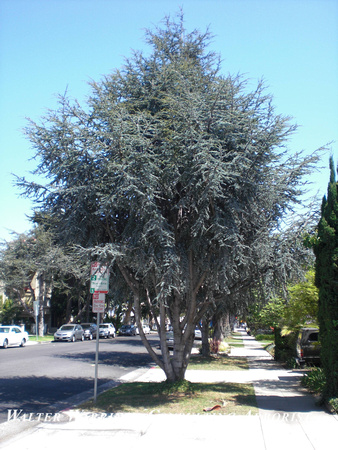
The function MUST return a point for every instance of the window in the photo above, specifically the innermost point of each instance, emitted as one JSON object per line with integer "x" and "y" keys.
{"x": 313, "y": 337}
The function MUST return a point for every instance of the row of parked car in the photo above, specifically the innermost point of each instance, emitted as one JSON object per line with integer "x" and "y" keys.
{"x": 73, "y": 332}
{"x": 12, "y": 335}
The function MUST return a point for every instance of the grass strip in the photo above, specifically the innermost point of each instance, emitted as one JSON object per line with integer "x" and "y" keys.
{"x": 176, "y": 398}
{"x": 235, "y": 341}
{"x": 265, "y": 339}
{"x": 46, "y": 338}
{"x": 219, "y": 362}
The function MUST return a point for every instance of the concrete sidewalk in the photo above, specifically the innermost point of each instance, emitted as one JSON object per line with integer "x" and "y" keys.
{"x": 288, "y": 417}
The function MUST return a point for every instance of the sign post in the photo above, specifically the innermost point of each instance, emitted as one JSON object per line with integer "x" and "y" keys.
{"x": 98, "y": 308}
{"x": 36, "y": 313}
{"x": 99, "y": 287}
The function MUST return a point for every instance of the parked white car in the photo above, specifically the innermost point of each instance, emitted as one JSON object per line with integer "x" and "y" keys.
{"x": 146, "y": 329}
{"x": 12, "y": 335}
{"x": 198, "y": 333}
{"x": 170, "y": 339}
{"x": 107, "y": 330}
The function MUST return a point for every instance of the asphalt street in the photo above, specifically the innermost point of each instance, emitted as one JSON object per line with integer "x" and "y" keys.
{"x": 45, "y": 377}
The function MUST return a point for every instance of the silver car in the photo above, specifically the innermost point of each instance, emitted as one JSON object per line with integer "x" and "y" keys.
{"x": 69, "y": 332}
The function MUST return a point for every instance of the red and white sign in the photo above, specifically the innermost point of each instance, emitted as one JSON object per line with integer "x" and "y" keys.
{"x": 99, "y": 300}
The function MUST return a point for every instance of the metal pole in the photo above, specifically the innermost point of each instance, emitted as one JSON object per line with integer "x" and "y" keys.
{"x": 36, "y": 306}
{"x": 36, "y": 324}
{"x": 96, "y": 356}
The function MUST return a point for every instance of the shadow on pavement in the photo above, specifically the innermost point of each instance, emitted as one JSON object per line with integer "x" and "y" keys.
{"x": 263, "y": 363}
{"x": 112, "y": 358}
{"x": 39, "y": 394}
{"x": 285, "y": 395}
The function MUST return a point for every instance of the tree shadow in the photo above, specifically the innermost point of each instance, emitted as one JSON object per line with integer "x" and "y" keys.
{"x": 42, "y": 394}
{"x": 266, "y": 364}
{"x": 113, "y": 358}
{"x": 285, "y": 395}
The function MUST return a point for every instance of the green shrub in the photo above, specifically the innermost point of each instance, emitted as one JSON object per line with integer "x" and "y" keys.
{"x": 291, "y": 363}
{"x": 333, "y": 402}
{"x": 285, "y": 346}
{"x": 224, "y": 347}
{"x": 264, "y": 337}
{"x": 315, "y": 380}
{"x": 217, "y": 346}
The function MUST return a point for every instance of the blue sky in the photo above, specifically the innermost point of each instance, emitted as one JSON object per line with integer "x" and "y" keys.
{"x": 49, "y": 46}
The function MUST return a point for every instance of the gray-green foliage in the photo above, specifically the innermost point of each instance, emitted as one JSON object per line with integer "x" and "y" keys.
{"x": 32, "y": 264}
{"x": 16, "y": 265}
{"x": 23, "y": 262}
{"x": 175, "y": 174}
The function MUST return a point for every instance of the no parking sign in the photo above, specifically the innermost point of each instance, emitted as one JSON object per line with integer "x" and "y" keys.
{"x": 98, "y": 302}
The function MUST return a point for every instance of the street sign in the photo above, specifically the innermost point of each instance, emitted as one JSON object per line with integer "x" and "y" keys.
{"x": 98, "y": 302}
{"x": 99, "y": 278}
{"x": 36, "y": 308}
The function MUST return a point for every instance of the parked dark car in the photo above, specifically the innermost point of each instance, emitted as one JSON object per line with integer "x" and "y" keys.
{"x": 128, "y": 330}
{"x": 90, "y": 330}
{"x": 308, "y": 346}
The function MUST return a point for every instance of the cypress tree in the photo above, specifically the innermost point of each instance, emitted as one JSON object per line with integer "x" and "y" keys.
{"x": 326, "y": 251}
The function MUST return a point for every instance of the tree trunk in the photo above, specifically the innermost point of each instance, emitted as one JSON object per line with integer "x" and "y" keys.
{"x": 68, "y": 308}
{"x": 222, "y": 327}
{"x": 88, "y": 299}
{"x": 184, "y": 332}
{"x": 218, "y": 334}
{"x": 79, "y": 307}
{"x": 278, "y": 344}
{"x": 173, "y": 366}
{"x": 227, "y": 326}
{"x": 127, "y": 316}
{"x": 137, "y": 307}
{"x": 41, "y": 299}
{"x": 205, "y": 337}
